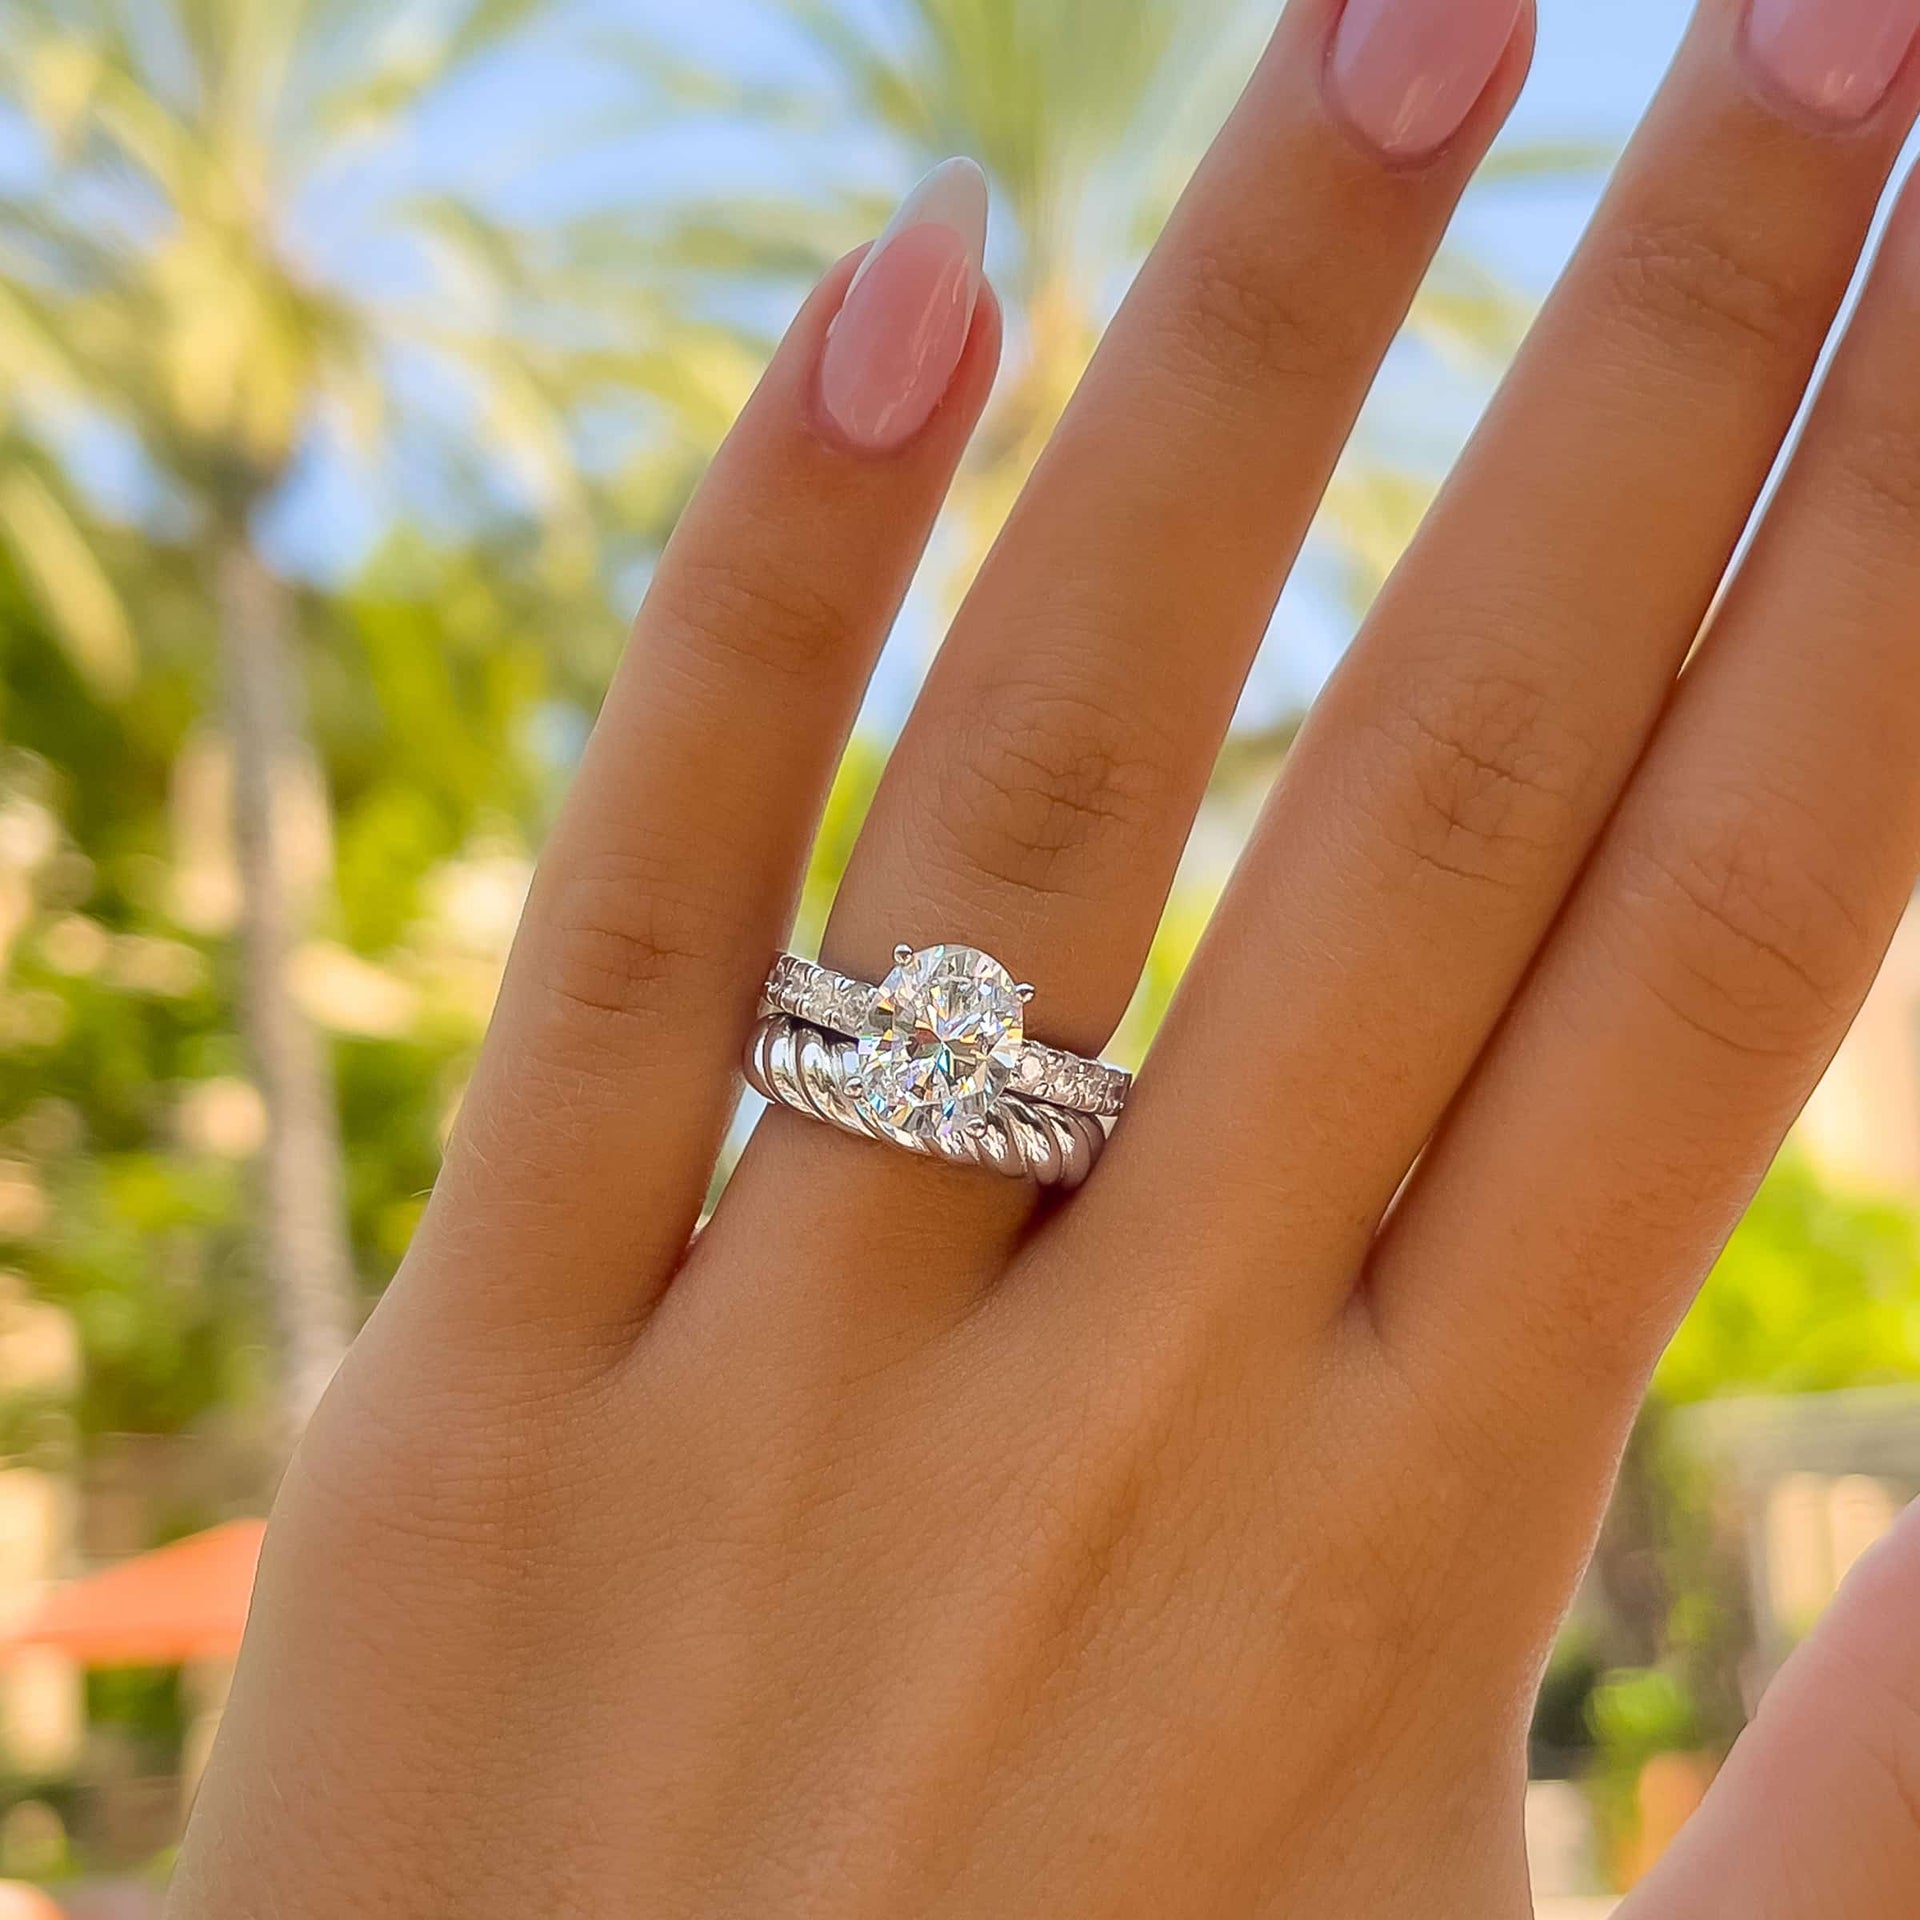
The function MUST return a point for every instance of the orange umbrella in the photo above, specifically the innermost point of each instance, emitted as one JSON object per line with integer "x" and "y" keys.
{"x": 18, "y": 1901}
{"x": 183, "y": 1602}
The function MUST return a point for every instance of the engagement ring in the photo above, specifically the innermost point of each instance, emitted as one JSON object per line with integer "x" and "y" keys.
{"x": 936, "y": 1060}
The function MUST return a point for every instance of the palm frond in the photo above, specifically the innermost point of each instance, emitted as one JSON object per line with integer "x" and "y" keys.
{"x": 56, "y": 557}
{"x": 411, "y": 57}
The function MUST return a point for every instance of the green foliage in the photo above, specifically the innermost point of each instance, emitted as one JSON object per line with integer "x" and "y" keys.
{"x": 158, "y": 289}
{"x": 1562, "y": 1726}
{"x": 1817, "y": 1290}
{"x": 853, "y": 789}
{"x": 118, "y": 1054}
{"x": 143, "y": 1707}
{"x": 103, "y": 1008}
{"x": 1637, "y": 1712}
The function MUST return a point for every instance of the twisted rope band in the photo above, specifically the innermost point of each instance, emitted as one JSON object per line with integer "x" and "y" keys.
{"x": 808, "y": 1070}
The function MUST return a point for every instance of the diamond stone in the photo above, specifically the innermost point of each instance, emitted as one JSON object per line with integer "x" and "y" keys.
{"x": 939, "y": 1044}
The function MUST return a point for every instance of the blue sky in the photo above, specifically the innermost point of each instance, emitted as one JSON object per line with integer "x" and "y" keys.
{"x": 1598, "y": 63}
{"x": 497, "y": 136}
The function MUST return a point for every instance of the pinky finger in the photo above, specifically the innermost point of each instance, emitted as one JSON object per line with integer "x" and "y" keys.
{"x": 1817, "y": 1814}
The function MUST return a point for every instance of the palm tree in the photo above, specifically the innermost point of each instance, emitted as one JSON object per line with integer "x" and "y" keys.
{"x": 154, "y": 286}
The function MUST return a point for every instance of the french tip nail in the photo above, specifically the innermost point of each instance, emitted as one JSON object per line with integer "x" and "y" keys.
{"x": 953, "y": 194}
{"x": 904, "y": 321}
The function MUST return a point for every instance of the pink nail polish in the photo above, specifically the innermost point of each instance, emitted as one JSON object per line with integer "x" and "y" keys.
{"x": 1406, "y": 73}
{"x": 904, "y": 322}
{"x": 1836, "y": 58}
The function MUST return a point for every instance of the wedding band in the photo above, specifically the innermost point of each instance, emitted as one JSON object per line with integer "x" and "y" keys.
{"x": 817, "y": 1074}
{"x": 934, "y": 1059}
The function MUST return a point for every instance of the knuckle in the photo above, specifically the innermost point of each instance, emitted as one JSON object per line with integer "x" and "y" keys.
{"x": 1048, "y": 790}
{"x": 1702, "y": 294}
{"x": 1747, "y": 939}
{"x": 1875, "y": 475}
{"x": 730, "y": 614}
{"x": 1241, "y": 322}
{"x": 1484, "y": 776}
{"x": 622, "y": 942}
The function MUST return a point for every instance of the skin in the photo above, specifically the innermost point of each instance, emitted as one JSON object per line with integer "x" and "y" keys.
{"x": 1192, "y": 1548}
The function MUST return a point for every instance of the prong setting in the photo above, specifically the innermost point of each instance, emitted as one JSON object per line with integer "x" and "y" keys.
{"x": 940, "y": 1043}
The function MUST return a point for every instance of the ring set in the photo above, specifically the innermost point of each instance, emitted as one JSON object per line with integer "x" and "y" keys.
{"x": 935, "y": 1059}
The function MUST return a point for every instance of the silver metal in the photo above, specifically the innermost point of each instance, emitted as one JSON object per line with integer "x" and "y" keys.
{"x": 811, "y": 1071}
{"x": 839, "y": 1004}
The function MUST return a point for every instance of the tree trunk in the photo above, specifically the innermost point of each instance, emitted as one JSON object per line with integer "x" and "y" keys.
{"x": 304, "y": 1249}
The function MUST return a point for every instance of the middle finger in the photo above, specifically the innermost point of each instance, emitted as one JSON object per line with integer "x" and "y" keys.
{"x": 1040, "y": 797}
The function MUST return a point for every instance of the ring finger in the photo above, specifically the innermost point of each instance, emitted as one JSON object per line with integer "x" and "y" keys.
{"x": 588, "y": 1135}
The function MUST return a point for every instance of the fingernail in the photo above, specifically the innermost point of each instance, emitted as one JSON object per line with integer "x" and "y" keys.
{"x": 1406, "y": 73}
{"x": 903, "y": 325}
{"x": 1836, "y": 58}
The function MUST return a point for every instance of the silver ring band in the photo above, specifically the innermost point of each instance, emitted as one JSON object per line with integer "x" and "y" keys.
{"x": 934, "y": 1059}
{"x": 808, "y": 1071}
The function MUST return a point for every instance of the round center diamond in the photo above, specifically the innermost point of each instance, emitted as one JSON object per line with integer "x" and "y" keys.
{"x": 940, "y": 1044}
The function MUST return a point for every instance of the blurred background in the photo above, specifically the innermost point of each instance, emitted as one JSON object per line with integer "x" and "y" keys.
{"x": 355, "y": 359}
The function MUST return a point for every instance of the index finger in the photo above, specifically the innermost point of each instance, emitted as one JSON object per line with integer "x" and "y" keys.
{"x": 589, "y": 1134}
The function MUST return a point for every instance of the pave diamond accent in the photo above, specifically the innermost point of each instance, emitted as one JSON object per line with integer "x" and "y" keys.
{"x": 1066, "y": 1080}
{"x": 939, "y": 1044}
{"x": 820, "y": 998}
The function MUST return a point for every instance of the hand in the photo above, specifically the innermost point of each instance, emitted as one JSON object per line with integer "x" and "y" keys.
{"x": 1189, "y": 1546}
